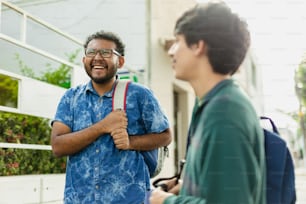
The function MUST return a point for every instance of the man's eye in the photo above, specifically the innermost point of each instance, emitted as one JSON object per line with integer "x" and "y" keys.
{"x": 107, "y": 52}
{"x": 91, "y": 52}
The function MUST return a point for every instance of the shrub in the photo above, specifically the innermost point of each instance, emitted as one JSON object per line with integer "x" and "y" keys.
{"x": 24, "y": 129}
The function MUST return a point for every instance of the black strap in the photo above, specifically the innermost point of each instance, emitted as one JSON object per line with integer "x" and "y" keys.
{"x": 163, "y": 186}
{"x": 274, "y": 128}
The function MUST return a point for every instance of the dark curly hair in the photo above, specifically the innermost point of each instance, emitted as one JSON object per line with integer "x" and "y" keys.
{"x": 107, "y": 36}
{"x": 225, "y": 34}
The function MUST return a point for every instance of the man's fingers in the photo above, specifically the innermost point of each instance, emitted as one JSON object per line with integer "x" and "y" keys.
{"x": 121, "y": 144}
{"x": 121, "y": 140}
{"x": 123, "y": 119}
{"x": 119, "y": 133}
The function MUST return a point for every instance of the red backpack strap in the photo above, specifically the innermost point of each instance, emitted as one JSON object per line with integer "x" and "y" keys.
{"x": 119, "y": 94}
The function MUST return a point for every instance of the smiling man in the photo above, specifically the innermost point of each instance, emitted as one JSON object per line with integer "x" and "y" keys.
{"x": 105, "y": 164}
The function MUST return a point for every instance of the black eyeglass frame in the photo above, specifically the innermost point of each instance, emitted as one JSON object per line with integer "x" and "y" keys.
{"x": 102, "y": 52}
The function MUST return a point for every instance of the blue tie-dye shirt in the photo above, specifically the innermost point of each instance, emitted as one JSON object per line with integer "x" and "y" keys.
{"x": 101, "y": 173}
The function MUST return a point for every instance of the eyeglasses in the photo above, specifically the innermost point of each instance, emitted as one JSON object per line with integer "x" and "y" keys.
{"x": 105, "y": 53}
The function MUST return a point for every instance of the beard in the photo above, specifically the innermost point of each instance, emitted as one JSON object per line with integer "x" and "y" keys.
{"x": 103, "y": 80}
{"x": 110, "y": 73}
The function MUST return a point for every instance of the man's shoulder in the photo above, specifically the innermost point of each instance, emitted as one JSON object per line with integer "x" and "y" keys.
{"x": 76, "y": 89}
{"x": 73, "y": 94}
{"x": 229, "y": 103}
{"x": 137, "y": 88}
{"x": 136, "y": 85}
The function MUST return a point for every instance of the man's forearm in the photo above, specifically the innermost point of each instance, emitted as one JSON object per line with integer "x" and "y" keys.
{"x": 150, "y": 141}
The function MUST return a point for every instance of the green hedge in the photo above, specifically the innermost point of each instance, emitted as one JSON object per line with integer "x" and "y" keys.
{"x": 25, "y": 129}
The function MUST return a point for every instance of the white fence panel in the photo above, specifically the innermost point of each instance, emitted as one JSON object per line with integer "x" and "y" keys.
{"x": 39, "y": 98}
{"x": 32, "y": 189}
{"x": 19, "y": 190}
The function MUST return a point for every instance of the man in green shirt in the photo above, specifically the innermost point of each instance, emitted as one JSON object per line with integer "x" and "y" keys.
{"x": 225, "y": 161}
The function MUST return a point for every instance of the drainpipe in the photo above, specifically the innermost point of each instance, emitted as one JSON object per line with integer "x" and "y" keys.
{"x": 148, "y": 39}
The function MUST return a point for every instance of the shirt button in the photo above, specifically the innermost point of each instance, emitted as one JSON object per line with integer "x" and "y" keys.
{"x": 97, "y": 187}
{"x": 97, "y": 150}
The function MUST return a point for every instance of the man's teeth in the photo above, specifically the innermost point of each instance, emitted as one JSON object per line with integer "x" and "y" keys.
{"x": 98, "y": 67}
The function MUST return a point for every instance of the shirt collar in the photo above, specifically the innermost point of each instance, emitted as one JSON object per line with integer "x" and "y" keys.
{"x": 89, "y": 88}
{"x": 213, "y": 91}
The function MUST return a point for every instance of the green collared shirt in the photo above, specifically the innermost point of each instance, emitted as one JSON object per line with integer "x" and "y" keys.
{"x": 225, "y": 159}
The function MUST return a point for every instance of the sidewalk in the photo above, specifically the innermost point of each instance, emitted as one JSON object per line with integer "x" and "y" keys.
{"x": 300, "y": 184}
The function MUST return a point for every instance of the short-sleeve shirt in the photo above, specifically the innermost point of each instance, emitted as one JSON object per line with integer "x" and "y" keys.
{"x": 100, "y": 173}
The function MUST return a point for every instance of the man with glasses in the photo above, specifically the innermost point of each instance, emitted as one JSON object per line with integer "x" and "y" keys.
{"x": 103, "y": 146}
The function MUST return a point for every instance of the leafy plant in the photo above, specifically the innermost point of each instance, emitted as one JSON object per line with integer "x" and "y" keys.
{"x": 8, "y": 91}
{"x": 25, "y": 129}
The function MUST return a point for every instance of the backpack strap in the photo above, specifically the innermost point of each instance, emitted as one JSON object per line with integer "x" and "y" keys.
{"x": 274, "y": 128}
{"x": 119, "y": 94}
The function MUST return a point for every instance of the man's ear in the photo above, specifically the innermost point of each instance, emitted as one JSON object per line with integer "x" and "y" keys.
{"x": 200, "y": 47}
{"x": 120, "y": 61}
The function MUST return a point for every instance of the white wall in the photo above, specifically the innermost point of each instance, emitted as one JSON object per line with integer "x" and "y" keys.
{"x": 32, "y": 189}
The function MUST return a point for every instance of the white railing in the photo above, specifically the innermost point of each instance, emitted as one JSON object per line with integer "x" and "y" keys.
{"x": 35, "y": 97}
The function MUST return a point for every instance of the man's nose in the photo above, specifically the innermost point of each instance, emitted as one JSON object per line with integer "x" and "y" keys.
{"x": 172, "y": 49}
{"x": 98, "y": 56}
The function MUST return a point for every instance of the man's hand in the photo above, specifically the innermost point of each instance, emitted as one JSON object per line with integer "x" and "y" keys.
{"x": 121, "y": 138}
{"x": 158, "y": 196}
{"x": 115, "y": 120}
{"x": 171, "y": 185}
{"x": 174, "y": 186}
